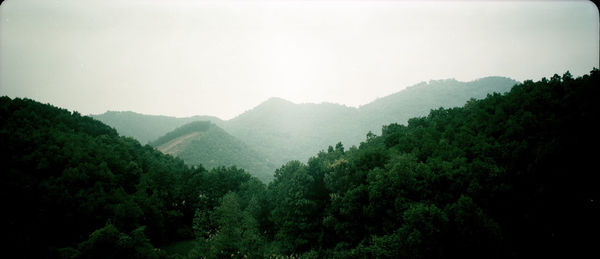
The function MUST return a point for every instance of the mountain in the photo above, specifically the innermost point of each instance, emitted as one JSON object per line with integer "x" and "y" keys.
{"x": 204, "y": 143}
{"x": 508, "y": 176}
{"x": 65, "y": 176}
{"x": 286, "y": 131}
{"x": 146, "y": 128}
{"x": 282, "y": 131}
{"x": 418, "y": 100}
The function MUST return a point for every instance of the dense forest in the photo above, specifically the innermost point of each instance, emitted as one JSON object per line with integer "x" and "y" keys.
{"x": 508, "y": 176}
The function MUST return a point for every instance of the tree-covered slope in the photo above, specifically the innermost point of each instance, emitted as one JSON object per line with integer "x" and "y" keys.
{"x": 72, "y": 187}
{"x": 282, "y": 131}
{"x": 510, "y": 176}
{"x": 419, "y": 99}
{"x": 285, "y": 131}
{"x": 146, "y": 128}
{"x": 204, "y": 143}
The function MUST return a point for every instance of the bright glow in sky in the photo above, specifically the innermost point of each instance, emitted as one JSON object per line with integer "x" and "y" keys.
{"x": 185, "y": 57}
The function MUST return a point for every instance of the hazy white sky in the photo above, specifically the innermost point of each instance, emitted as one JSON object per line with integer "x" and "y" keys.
{"x": 190, "y": 57}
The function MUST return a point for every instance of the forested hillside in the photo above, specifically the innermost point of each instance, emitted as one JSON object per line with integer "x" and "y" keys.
{"x": 509, "y": 176}
{"x": 146, "y": 128}
{"x": 505, "y": 177}
{"x": 72, "y": 188}
{"x": 286, "y": 131}
{"x": 281, "y": 130}
{"x": 204, "y": 143}
{"x": 418, "y": 100}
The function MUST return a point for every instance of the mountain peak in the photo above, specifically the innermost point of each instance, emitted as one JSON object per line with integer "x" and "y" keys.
{"x": 277, "y": 100}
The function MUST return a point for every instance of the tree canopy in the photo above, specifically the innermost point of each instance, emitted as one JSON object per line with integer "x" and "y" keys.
{"x": 508, "y": 176}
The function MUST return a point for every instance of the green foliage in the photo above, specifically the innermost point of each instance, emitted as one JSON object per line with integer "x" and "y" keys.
{"x": 293, "y": 209}
{"x": 499, "y": 177}
{"x": 180, "y": 248}
{"x": 67, "y": 176}
{"x": 109, "y": 242}
{"x": 504, "y": 177}
{"x": 236, "y": 233}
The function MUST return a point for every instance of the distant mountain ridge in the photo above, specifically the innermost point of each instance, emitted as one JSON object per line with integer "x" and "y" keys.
{"x": 419, "y": 99}
{"x": 281, "y": 130}
{"x": 146, "y": 128}
{"x": 286, "y": 131}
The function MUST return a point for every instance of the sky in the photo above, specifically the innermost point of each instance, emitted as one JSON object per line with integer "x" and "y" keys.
{"x": 191, "y": 57}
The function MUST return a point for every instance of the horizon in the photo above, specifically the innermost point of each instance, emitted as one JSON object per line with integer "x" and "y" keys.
{"x": 301, "y": 103}
{"x": 205, "y": 58}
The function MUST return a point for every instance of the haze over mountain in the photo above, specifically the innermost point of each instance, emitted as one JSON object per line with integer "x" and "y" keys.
{"x": 507, "y": 176}
{"x": 204, "y": 143}
{"x": 419, "y": 99}
{"x": 321, "y": 134}
{"x": 183, "y": 58}
{"x": 283, "y": 131}
{"x": 146, "y": 128}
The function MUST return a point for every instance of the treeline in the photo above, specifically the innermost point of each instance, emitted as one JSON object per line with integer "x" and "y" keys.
{"x": 509, "y": 176}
